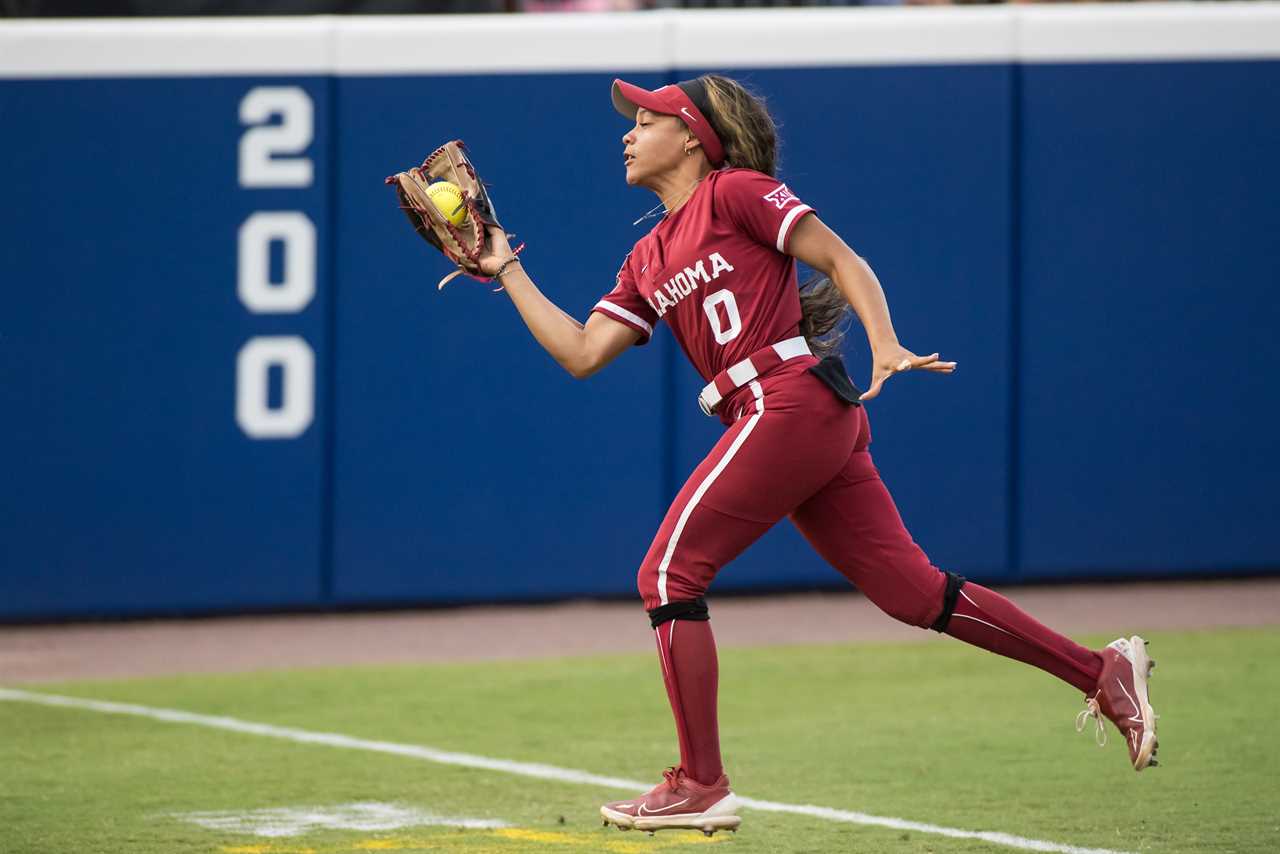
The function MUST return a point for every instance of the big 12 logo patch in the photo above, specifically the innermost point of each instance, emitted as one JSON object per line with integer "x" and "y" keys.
{"x": 780, "y": 196}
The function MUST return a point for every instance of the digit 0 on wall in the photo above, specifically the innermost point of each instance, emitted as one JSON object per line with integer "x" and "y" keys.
{"x": 162, "y": 332}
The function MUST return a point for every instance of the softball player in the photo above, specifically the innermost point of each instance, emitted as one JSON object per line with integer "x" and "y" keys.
{"x": 719, "y": 267}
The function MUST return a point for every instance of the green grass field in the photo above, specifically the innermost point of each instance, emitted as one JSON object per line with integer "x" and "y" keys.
{"x": 934, "y": 732}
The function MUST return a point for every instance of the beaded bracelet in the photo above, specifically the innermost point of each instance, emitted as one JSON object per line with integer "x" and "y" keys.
{"x": 507, "y": 263}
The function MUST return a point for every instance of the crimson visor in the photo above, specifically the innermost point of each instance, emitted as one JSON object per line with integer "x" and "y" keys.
{"x": 688, "y": 100}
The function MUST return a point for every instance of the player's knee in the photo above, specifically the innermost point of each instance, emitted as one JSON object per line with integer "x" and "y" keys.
{"x": 687, "y": 609}
{"x": 916, "y": 612}
{"x": 647, "y": 586}
{"x": 924, "y": 608}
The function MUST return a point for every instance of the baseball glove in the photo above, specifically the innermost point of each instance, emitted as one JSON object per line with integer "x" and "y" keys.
{"x": 465, "y": 242}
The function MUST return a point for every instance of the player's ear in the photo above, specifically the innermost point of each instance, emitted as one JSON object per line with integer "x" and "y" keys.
{"x": 691, "y": 145}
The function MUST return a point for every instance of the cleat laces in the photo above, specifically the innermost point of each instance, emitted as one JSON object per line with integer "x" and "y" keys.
{"x": 1091, "y": 710}
{"x": 672, "y": 776}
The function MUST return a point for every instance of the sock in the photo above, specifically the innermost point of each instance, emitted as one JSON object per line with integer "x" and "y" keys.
{"x": 985, "y": 618}
{"x": 691, "y": 672}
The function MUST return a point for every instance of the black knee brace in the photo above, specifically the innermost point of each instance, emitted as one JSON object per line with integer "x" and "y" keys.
{"x": 695, "y": 610}
{"x": 949, "y": 596}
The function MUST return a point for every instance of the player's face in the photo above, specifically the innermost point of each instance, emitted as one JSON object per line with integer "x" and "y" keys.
{"x": 653, "y": 147}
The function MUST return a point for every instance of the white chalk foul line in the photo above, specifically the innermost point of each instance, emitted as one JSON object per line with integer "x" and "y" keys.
{"x": 523, "y": 769}
{"x": 278, "y": 822}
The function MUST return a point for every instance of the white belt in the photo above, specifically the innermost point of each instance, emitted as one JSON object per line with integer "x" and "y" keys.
{"x": 736, "y": 376}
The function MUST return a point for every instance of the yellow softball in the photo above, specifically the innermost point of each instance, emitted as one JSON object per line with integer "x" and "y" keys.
{"x": 448, "y": 200}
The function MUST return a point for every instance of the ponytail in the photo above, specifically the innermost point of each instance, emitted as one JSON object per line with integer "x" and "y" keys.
{"x": 742, "y": 122}
{"x": 825, "y": 316}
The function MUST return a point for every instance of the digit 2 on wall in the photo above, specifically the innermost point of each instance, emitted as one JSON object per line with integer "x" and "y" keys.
{"x": 272, "y": 156}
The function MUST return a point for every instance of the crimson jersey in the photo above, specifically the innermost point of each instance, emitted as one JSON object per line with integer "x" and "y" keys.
{"x": 717, "y": 271}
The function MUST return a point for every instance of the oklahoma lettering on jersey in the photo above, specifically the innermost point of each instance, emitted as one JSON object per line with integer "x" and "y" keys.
{"x": 685, "y": 282}
{"x": 717, "y": 271}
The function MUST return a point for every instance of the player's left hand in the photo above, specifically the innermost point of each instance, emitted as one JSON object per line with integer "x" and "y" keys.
{"x": 497, "y": 250}
{"x": 463, "y": 241}
{"x": 898, "y": 359}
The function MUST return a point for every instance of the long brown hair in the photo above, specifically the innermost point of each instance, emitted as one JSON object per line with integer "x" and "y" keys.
{"x": 741, "y": 119}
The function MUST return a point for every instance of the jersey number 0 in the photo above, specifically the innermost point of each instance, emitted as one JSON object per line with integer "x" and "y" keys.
{"x": 728, "y": 329}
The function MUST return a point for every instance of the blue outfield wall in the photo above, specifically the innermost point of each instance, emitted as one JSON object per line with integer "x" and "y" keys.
{"x": 467, "y": 464}
{"x": 130, "y": 488}
{"x": 1149, "y": 267}
{"x": 234, "y": 386}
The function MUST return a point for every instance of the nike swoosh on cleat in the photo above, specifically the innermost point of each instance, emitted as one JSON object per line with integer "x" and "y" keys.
{"x": 1136, "y": 708}
{"x": 643, "y": 811}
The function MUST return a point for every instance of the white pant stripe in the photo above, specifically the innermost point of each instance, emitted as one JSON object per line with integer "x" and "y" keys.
{"x": 704, "y": 486}
{"x": 662, "y": 656}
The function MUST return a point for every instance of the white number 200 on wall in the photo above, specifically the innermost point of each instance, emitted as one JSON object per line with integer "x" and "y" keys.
{"x": 279, "y": 126}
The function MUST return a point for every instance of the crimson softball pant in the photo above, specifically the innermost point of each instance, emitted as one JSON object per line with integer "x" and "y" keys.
{"x": 792, "y": 449}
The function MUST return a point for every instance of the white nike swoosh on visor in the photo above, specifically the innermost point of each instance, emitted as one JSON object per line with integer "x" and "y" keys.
{"x": 685, "y": 110}
{"x": 643, "y": 811}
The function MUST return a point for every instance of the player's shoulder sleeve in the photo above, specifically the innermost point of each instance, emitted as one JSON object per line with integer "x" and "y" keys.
{"x": 625, "y": 304}
{"x": 759, "y": 205}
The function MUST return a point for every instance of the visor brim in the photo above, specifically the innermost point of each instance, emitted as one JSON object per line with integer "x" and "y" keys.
{"x": 628, "y": 98}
